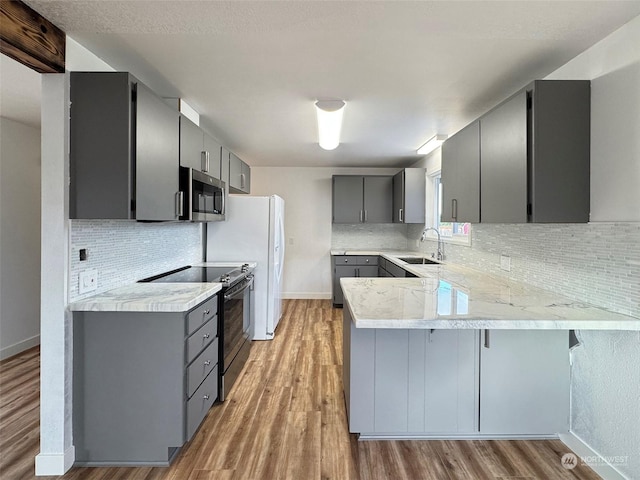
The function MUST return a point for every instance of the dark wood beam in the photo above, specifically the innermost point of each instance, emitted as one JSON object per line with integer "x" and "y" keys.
{"x": 29, "y": 38}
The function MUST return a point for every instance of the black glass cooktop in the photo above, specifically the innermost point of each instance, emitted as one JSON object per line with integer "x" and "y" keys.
{"x": 197, "y": 275}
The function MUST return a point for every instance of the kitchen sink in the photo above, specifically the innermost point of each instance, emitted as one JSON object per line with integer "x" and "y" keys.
{"x": 419, "y": 261}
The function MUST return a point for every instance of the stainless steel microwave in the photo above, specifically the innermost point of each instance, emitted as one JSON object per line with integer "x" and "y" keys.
{"x": 202, "y": 197}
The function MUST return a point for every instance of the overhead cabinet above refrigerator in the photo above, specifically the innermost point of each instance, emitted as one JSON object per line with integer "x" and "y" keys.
{"x": 124, "y": 150}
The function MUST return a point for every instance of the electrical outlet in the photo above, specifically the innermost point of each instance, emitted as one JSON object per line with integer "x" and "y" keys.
{"x": 505, "y": 263}
{"x": 87, "y": 281}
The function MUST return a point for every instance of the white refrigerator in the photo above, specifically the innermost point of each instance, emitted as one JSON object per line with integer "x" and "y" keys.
{"x": 254, "y": 232}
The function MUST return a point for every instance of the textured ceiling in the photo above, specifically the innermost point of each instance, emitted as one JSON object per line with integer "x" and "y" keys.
{"x": 407, "y": 70}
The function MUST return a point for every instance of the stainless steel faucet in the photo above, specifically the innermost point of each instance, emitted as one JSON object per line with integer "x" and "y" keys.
{"x": 423, "y": 237}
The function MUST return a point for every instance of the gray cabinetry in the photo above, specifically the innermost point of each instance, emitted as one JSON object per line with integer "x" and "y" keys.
{"x": 142, "y": 383}
{"x": 410, "y": 382}
{"x": 239, "y": 175}
{"x": 124, "y": 149}
{"x": 524, "y": 382}
{"x": 362, "y": 199}
{"x": 461, "y": 176}
{"x": 198, "y": 150}
{"x": 409, "y": 190}
{"x": 389, "y": 269}
{"x": 351, "y": 266}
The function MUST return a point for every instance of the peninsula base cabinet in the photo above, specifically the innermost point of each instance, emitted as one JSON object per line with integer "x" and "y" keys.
{"x": 414, "y": 383}
{"x": 143, "y": 383}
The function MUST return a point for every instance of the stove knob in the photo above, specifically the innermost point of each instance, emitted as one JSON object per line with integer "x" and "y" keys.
{"x": 244, "y": 268}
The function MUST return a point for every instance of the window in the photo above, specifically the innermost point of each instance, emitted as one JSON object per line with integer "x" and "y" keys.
{"x": 449, "y": 231}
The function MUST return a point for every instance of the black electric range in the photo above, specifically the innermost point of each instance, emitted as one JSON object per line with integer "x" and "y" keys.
{"x": 234, "y": 314}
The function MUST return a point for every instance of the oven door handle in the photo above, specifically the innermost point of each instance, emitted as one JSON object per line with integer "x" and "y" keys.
{"x": 239, "y": 291}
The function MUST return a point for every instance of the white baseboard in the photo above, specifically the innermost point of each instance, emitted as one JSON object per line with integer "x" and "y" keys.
{"x": 55, "y": 463}
{"x": 19, "y": 347}
{"x": 587, "y": 455}
{"x": 306, "y": 296}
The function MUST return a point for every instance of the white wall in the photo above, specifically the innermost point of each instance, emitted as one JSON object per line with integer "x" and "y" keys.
{"x": 19, "y": 237}
{"x": 605, "y": 403}
{"x": 307, "y": 196}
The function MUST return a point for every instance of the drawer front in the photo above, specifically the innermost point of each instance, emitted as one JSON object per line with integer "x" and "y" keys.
{"x": 395, "y": 270}
{"x": 368, "y": 260}
{"x": 201, "y": 338}
{"x": 201, "y": 402}
{"x": 345, "y": 260}
{"x": 201, "y": 367}
{"x": 201, "y": 314}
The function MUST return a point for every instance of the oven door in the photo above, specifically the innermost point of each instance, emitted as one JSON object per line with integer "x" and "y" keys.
{"x": 235, "y": 328}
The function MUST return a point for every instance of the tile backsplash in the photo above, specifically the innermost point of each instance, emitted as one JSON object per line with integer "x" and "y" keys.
{"x": 125, "y": 251}
{"x": 364, "y": 236}
{"x": 598, "y": 263}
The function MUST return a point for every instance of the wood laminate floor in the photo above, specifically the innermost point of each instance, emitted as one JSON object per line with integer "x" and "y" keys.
{"x": 284, "y": 419}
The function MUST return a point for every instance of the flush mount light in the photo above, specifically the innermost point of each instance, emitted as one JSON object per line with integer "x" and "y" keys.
{"x": 329, "y": 122}
{"x": 432, "y": 144}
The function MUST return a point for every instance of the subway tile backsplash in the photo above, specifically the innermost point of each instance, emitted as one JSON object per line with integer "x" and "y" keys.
{"x": 598, "y": 263}
{"x": 125, "y": 251}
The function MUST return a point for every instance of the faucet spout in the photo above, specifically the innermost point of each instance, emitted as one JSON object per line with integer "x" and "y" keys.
{"x": 423, "y": 237}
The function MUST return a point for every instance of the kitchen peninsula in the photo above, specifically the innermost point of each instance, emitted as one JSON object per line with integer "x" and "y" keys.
{"x": 458, "y": 353}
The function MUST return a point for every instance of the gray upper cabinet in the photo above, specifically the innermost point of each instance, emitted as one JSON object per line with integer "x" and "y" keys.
{"x": 461, "y": 176}
{"x": 362, "y": 199}
{"x": 239, "y": 175}
{"x": 198, "y": 150}
{"x": 535, "y": 155}
{"x": 124, "y": 149}
{"x": 409, "y": 190}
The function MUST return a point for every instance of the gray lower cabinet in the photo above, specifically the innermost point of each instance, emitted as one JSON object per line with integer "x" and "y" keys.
{"x": 362, "y": 199}
{"x": 461, "y": 176}
{"x": 390, "y": 269}
{"x": 431, "y": 383}
{"x": 409, "y": 190}
{"x": 351, "y": 266}
{"x": 524, "y": 381}
{"x": 124, "y": 148}
{"x": 142, "y": 383}
{"x": 404, "y": 382}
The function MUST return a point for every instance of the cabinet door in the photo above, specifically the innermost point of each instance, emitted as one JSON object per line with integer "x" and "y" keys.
{"x": 524, "y": 382}
{"x": 461, "y": 176}
{"x": 213, "y": 148}
{"x": 378, "y": 199}
{"x": 245, "y": 178}
{"x": 415, "y": 184}
{"x": 347, "y": 199}
{"x": 235, "y": 172}
{"x": 191, "y": 144}
{"x": 398, "y": 197}
{"x": 367, "y": 271}
{"x": 340, "y": 271}
{"x": 225, "y": 158}
{"x": 503, "y": 142}
{"x": 157, "y": 157}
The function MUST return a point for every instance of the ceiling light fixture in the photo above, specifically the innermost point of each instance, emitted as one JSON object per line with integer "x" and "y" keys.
{"x": 432, "y": 144}
{"x": 330, "y": 114}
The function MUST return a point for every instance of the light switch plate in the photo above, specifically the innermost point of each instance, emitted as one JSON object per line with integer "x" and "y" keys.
{"x": 88, "y": 281}
{"x": 505, "y": 263}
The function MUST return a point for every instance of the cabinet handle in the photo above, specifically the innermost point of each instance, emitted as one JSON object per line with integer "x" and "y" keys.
{"x": 346, "y": 260}
{"x": 204, "y": 156}
{"x": 207, "y": 363}
{"x": 242, "y": 180}
{"x": 360, "y": 216}
{"x": 206, "y": 312}
{"x": 486, "y": 339}
{"x": 179, "y": 204}
{"x": 454, "y": 209}
{"x": 205, "y": 336}
{"x": 205, "y": 397}
{"x": 365, "y": 216}
{"x": 401, "y": 215}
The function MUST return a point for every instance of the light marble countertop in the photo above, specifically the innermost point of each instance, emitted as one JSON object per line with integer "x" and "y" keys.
{"x": 449, "y": 296}
{"x": 154, "y": 297}
{"x": 148, "y": 297}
